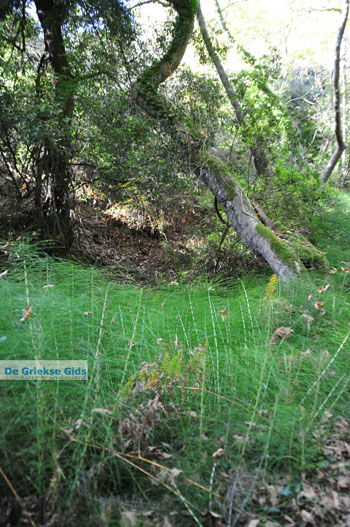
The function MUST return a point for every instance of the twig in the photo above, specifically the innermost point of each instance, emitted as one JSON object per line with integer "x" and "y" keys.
{"x": 14, "y": 492}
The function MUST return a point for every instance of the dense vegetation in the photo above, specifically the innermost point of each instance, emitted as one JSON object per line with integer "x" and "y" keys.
{"x": 165, "y": 216}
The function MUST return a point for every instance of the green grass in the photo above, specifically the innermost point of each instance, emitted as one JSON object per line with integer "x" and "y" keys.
{"x": 213, "y": 382}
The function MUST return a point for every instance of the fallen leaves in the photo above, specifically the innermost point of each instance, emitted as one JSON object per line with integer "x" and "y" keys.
{"x": 253, "y": 523}
{"x": 26, "y": 314}
{"x": 158, "y": 453}
{"x": 323, "y": 289}
{"x": 219, "y": 453}
{"x": 309, "y": 319}
{"x": 318, "y": 306}
{"x": 280, "y": 334}
{"x": 223, "y": 313}
{"x": 321, "y": 496}
{"x": 48, "y": 286}
{"x": 102, "y": 411}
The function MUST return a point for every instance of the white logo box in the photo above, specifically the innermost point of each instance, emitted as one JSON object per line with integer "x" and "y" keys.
{"x": 22, "y": 370}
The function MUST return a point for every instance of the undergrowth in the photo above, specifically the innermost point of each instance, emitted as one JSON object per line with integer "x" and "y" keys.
{"x": 189, "y": 385}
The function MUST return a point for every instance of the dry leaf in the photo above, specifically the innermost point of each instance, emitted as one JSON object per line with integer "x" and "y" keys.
{"x": 323, "y": 288}
{"x": 273, "y": 494}
{"x": 101, "y": 411}
{"x": 343, "y": 482}
{"x": 253, "y": 523}
{"x": 306, "y": 352}
{"x": 326, "y": 416}
{"x": 166, "y": 522}
{"x": 333, "y": 270}
{"x": 78, "y": 423}
{"x": 48, "y": 286}
{"x": 4, "y": 273}
{"x": 309, "y": 319}
{"x": 308, "y": 492}
{"x": 87, "y": 313}
{"x": 281, "y": 333}
{"x": 158, "y": 453}
{"x": 307, "y": 517}
{"x": 147, "y": 514}
{"x": 129, "y": 519}
{"x": 223, "y": 313}
{"x": 26, "y": 313}
{"x": 318, "y": 305}
{"x": 220, "y": 452}
{"x": 175, "y": 472}
{"x": 163, "y": 455}
{"x": 321, "y": 312}
{"x": 345, "y": 269}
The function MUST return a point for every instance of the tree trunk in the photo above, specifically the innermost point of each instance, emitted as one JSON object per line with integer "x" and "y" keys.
{"x": 260, "y": 160}
{"x": 328, "y": 170}
{"x": 56, "y": 206}
{"x": 280, "y": 255}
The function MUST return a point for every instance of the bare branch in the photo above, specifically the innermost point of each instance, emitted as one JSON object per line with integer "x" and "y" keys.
{"x": 327, "y": 172}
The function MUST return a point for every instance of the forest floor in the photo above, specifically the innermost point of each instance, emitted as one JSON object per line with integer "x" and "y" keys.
{"x": 215, "y": 403}
{"x": 137, "y": 246}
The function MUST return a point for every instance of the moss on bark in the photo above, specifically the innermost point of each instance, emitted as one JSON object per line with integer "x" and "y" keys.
{"x": 223, "y": 175}
{"x": 281, "y": 248}
{"x": 308, "y": 254}
{"x": 295, "y": 251}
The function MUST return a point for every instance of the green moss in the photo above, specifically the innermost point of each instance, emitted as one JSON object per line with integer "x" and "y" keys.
{"x": 308, "y": 254}
{"x": 282, "y": 250}
{"x": 193, "y": 5}
{"x": 296, "y": 250}
{"x": 190, "y": 5}
{"x": 223, "y": 174}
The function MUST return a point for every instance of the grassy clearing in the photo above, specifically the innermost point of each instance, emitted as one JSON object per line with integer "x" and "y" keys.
{"x": 175, "y": 373}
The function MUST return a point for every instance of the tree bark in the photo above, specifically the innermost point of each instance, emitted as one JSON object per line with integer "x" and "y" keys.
{"x": 55, "y": 164}
{"x": 280, "y": 255}
{"x": 260, "y": 160}
{"x": 328, "y": 170}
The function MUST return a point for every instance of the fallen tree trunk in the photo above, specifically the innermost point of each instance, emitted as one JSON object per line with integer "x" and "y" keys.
{"x": 284, "y": 258}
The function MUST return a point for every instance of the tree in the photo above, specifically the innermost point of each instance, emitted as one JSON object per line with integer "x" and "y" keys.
{"x": 284, "y": 258}
{"x": 40, "y": 127}
{"x": 54, "y": 210}
{"x": 259, "y": 156}
{"x": 328, "y": 170}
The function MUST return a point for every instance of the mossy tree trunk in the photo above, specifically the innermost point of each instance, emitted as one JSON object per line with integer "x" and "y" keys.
{"x": 278, "y": 253}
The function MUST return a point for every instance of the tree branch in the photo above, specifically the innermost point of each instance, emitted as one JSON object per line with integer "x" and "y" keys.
{"x": 328, "y": 170}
